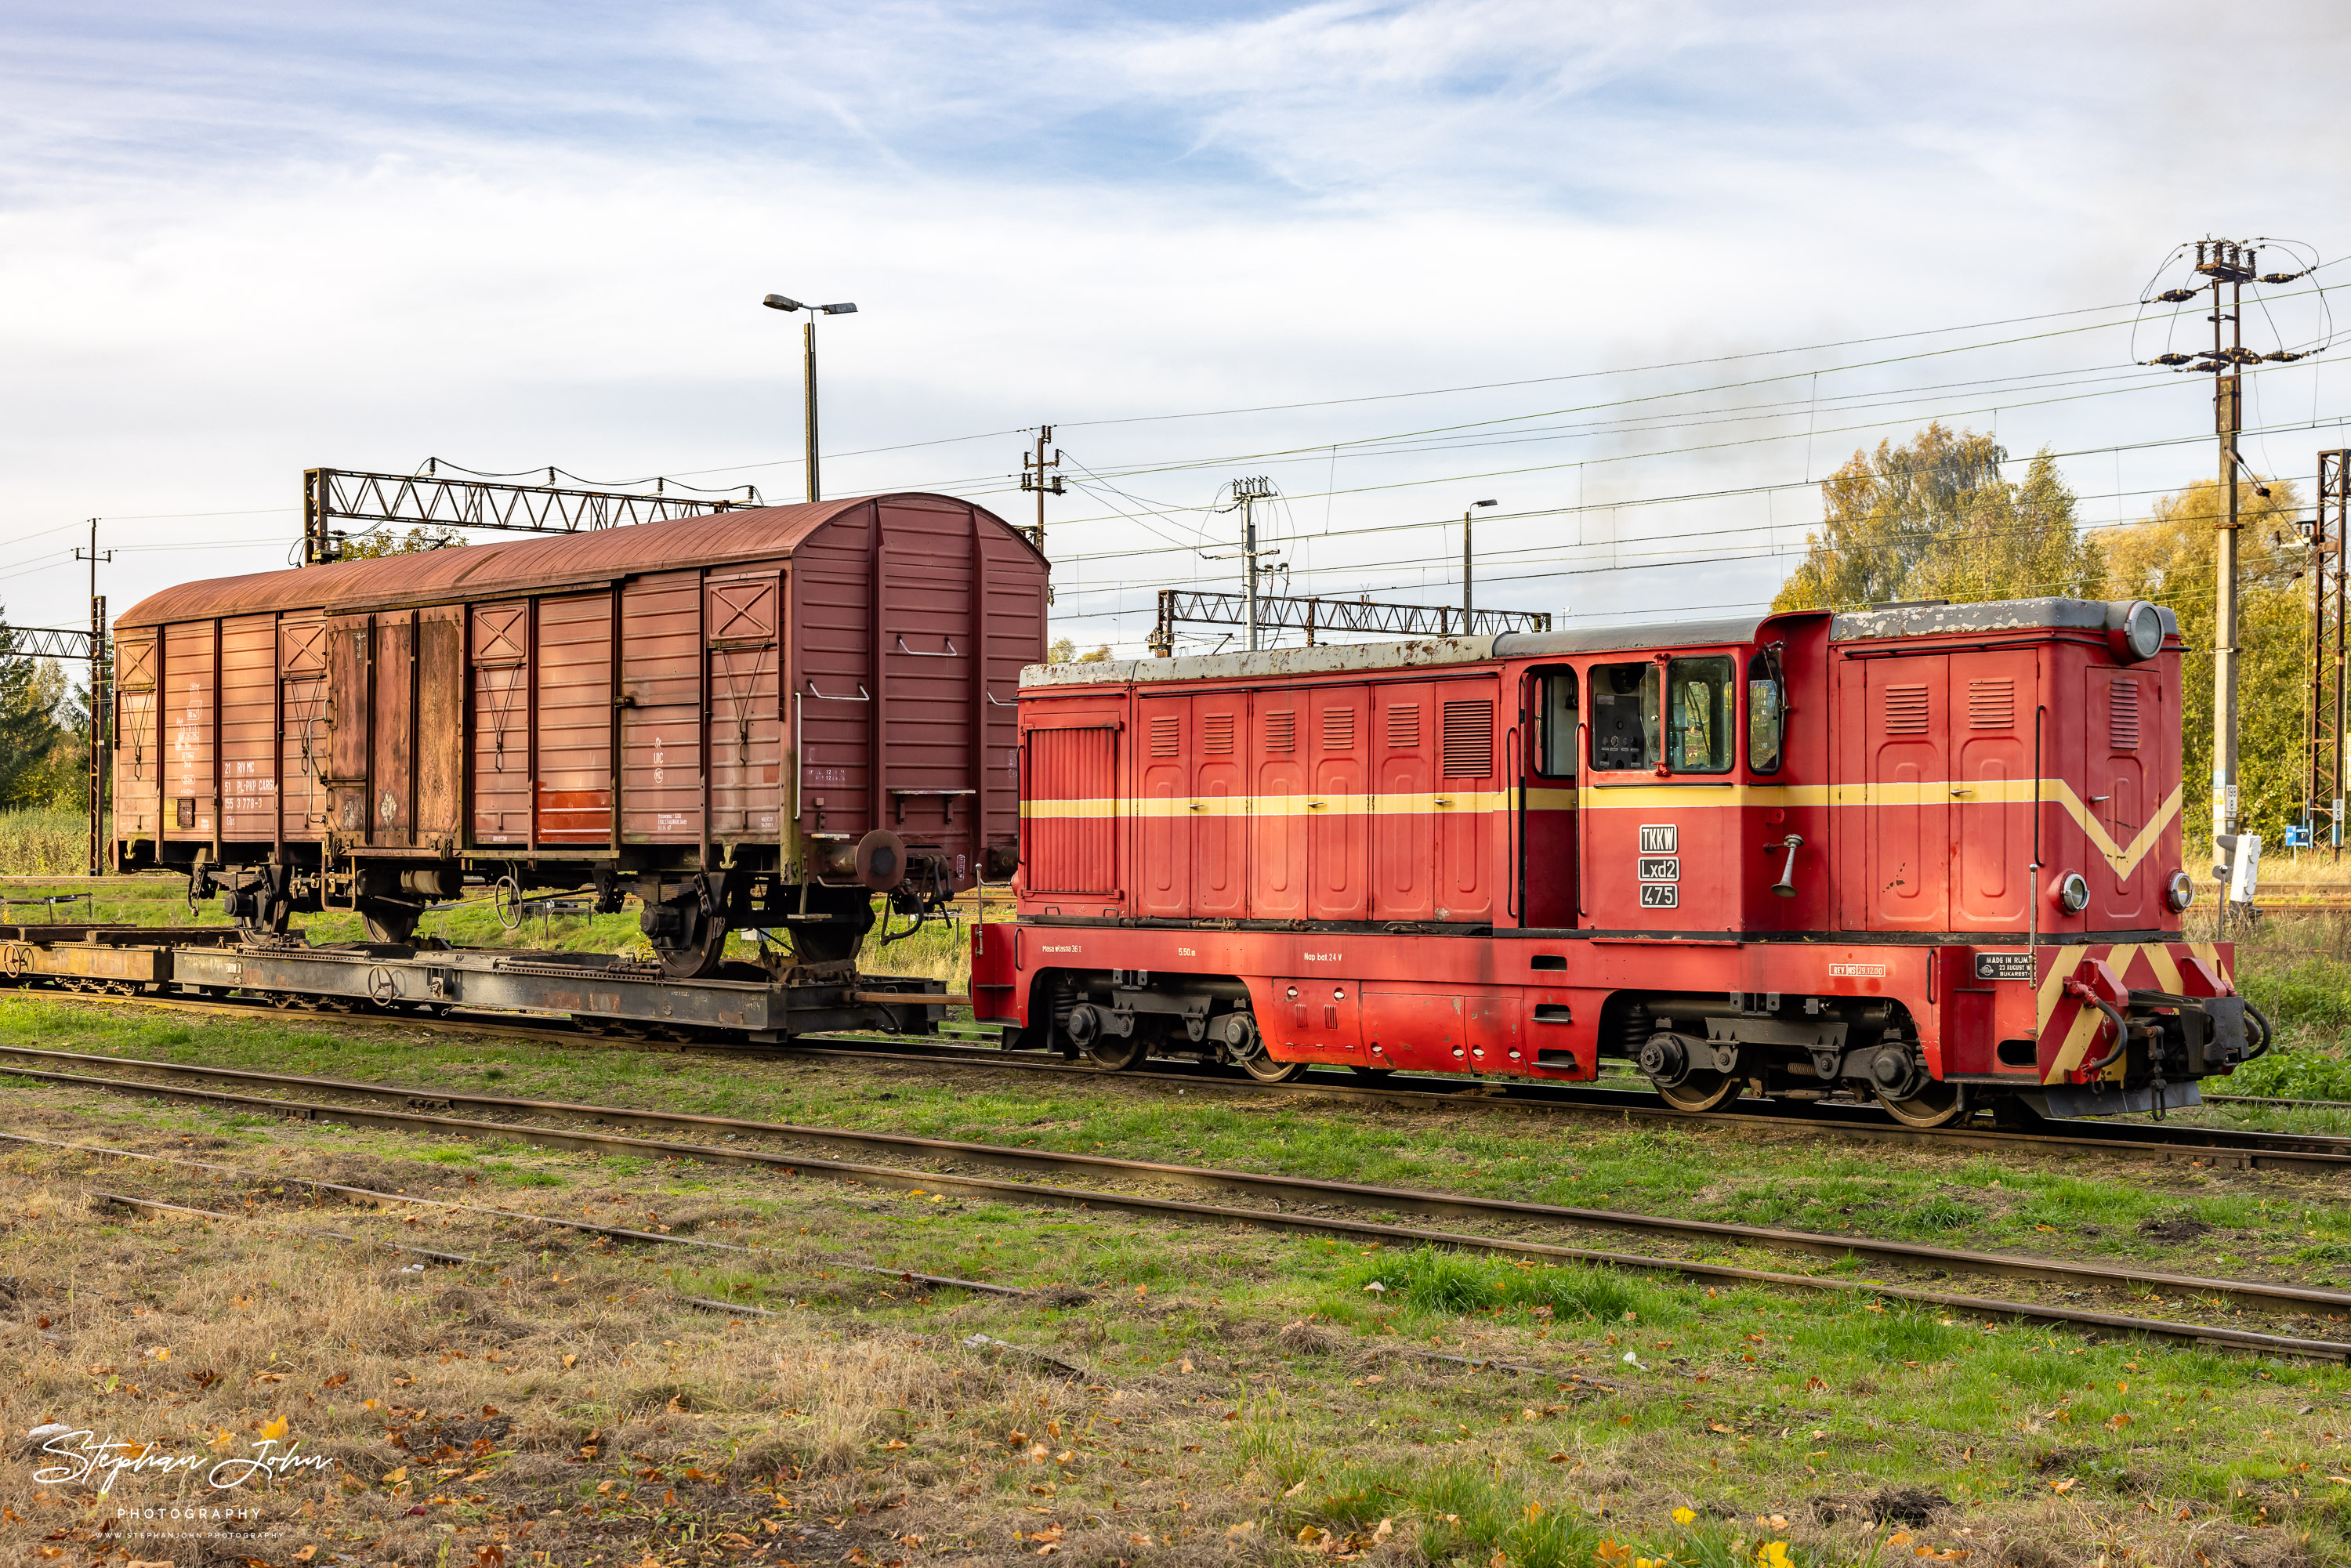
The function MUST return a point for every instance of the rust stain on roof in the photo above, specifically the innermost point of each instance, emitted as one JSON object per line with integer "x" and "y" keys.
{"x": 530, "y": 565}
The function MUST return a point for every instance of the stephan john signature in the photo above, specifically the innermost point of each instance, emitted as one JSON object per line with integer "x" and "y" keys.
{"x": 271, "y": 1461}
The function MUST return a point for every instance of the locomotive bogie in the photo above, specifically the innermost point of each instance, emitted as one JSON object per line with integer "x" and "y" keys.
{"x": 765, "y": 713}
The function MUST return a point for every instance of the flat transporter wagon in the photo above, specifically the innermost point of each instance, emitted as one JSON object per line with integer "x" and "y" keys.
{"x": 759, "y": 717}
{"x": 1928, "y": 856}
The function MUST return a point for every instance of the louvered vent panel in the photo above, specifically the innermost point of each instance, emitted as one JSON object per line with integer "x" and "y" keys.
{"x": 1166, "y": 734}
{"x": 1339, "y": 729}
{"x": 1469, "y": 740}
{"x": 1906, "y": 710}
{"x": 1216, "y": 733}
{"x": 2122, "y": 714}
{"x": 1991, "y": 705}
{"x": 1404, "y": 727}
{"x": 1281, "y": 733}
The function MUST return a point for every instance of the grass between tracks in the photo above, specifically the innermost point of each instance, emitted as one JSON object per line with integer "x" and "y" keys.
{"x": 1247, "y": 1396}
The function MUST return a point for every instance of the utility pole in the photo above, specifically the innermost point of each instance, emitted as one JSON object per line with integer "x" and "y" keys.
{"x": 1468, "y": 617}
{"x": 2322, "y": 778}
{"x": 2230, "y": 265}
{"x": 1035, "y": 476}
{"x": 97, "y": 704}
{"x": 1246, "y": 493}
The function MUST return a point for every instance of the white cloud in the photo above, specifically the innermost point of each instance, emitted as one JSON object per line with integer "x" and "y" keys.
{"x": 532, "y": 236}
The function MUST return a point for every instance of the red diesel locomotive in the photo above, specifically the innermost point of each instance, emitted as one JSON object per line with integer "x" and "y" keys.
{"x": 1927, "y": 855}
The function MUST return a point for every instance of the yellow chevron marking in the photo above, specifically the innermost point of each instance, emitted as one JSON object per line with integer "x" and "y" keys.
{"x": 2211, "y": 953}
{"x": 2076, "y": 1045}
{"x": 2052, "y": 986}
{"x": 2166, "y": 967}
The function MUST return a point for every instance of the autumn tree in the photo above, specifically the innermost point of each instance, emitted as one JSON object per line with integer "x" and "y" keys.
{"x": 2170, "y": 560}
{"x": 1938, "y": 518}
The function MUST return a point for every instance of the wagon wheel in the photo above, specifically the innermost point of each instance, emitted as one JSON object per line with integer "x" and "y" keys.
{"x": 1935, "y": 1105}
{"x": 1118, "y": 1052}
{"x": 698, "y": 958}
{"x": 387, "y": 921}
{"x": 1266, "y": 1070}
{"x": 1703, "y": 1092}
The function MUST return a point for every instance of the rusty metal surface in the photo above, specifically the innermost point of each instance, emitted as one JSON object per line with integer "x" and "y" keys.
{"x": 475, "y": 571}
{"x": 661, "y": 710}
{"x": 248, "y": 727}
{"x": 574, "y": 708}
{"x": 829, "y": 668}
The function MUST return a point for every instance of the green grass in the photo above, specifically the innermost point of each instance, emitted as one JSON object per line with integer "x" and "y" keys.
{"x": 1738, "y": 1403}
{"x": 44, "y": 841}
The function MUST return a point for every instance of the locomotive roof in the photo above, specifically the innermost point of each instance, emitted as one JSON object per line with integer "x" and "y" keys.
{"x": 1848, "y": 626}
{"x": 517, "y": 566}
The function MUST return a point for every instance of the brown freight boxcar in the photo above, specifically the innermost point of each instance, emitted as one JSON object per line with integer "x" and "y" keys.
{"x": 755, "y": 718}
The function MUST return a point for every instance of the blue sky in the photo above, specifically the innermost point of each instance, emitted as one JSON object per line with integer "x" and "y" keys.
{"x": 236, "y": 241}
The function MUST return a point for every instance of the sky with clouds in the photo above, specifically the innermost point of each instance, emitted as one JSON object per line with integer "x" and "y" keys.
{"x": 1641, "y": 274}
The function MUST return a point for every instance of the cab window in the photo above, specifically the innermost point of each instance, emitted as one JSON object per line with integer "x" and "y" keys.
{"x": 1555, "y": 715}
{"x": 1698, "y": 698}
{"x": 1624, "y": 716}
{"x": 1767, "y": 715}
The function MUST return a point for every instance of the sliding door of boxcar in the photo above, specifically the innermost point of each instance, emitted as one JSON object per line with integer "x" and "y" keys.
{"x": 138, "y": 754}
{"x": 249, "y": 728}
{"x": 392, "y": 792}
{"x": 660, "y": 710}
{"x": 302, "y": 731}
{"x": 747, "y": 731}
{"x": 501, "y": 750}
{"x": 440, "y": 800}
{"x": 350, "y": 645}
{"x": 575, "y": 719}
{"x": 189, "y": 688}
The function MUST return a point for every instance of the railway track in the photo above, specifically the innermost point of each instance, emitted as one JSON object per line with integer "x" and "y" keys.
{"x": 2170, "y": 1141}
{"x": 1284, "y": 1203}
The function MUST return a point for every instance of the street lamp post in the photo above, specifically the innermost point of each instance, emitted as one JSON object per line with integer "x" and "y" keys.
{"x": 808, "y": 350}
{"x": 1467, "y": 628}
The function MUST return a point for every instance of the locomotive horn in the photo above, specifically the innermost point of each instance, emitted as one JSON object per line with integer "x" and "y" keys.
{"x": 1786, "y": 886}
{"x": 881, "y": 859}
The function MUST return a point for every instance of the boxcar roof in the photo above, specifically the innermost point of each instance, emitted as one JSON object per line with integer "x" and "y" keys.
{"x": 1862, "y": 625}
{"x": 517, "y": 566}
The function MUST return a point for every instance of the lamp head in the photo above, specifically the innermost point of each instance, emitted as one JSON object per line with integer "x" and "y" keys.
{"x": 779, "y": 302}
{"x": 1483, "y": 503}
{"x": 837, "y": 309}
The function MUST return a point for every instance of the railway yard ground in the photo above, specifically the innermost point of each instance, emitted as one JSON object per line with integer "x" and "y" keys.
{"x": 1159, "y": 1389}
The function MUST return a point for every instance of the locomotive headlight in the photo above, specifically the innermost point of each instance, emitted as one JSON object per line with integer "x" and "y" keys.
{"x": 2180, "y": 890}
{"x": 2072, "y": 892}
{"x": 2137, "y": 635}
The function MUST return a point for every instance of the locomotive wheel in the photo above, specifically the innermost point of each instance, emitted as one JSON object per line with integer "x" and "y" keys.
{"x": 1703, "y": 1092}
{"x": 1935, "y": 1105}
{"x": 1118, "y": 1052}
{"x": 1266, "y": 1070}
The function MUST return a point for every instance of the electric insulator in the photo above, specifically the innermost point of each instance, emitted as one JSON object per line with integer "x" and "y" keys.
{"x": 2174, "y": 296}
{"x": 2280, "y": 276}
{"x": 2169, "y": 360}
